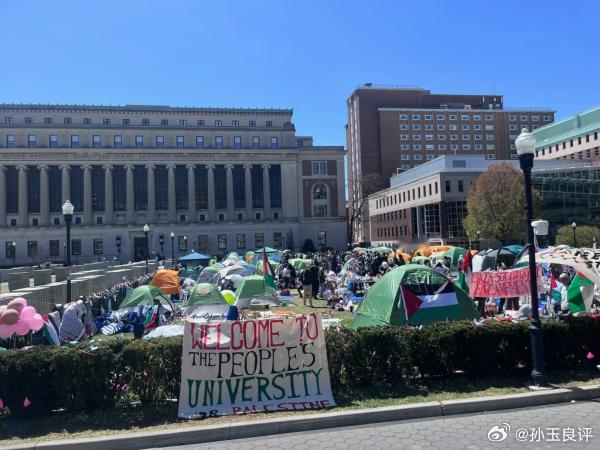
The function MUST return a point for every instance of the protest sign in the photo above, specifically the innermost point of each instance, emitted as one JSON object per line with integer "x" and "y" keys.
{"x": 584, "y": 260}
{"x": 502, "y": 283}
{"x": 262, "y": 365}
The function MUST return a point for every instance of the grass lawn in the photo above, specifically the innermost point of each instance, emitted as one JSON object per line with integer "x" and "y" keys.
{"x": 162, "y": 417}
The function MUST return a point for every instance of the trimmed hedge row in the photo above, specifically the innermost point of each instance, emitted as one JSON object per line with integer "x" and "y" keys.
{"x": 75, "y": 379}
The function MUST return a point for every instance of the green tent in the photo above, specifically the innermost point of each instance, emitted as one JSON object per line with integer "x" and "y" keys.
{"x": 145, "y": 295}
{"x": 381, "y": 249}
{"x": 205, "y": 294}
{"x": 454, "y": 254}
{"x": 253, "y": 286}
{"x": 419, "y": 260}
{"x": 267, "y": 250}
{"x": 429, "y": 297}
{"x": 299, "y": 263}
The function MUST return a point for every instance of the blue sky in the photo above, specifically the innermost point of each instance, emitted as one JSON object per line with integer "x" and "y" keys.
{"x": 308, "y": 55}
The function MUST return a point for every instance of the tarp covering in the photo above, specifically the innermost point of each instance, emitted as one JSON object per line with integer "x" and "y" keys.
{"x": 253, "y": 286}
{"x": 205, "y": 298}
{"x": 209, "y": 275}
{"x": 167, "y": 281}
{"x": 439, "y": 299}
{"x": 145, "y": 295}
{"x": 194, "y": 256}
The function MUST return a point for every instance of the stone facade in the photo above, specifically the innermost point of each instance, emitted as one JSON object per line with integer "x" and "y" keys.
{"x": 219, "y": 179}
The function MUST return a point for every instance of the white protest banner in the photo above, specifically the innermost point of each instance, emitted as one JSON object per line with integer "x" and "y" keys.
{"x": 584, "y": 260}
{"x": 262, "y": 365}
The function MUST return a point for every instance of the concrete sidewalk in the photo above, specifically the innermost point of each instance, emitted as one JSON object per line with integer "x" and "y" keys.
{"x": 212, "y": 433}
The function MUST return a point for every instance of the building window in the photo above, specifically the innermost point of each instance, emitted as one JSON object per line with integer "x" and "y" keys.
{"x": 466, "y": 137}
{"x": 75, "y": 247}
{"x": 269, "y": 124}
{"x": 512, "y": 118}
{"x": 478, "y": 146}
{"x": 278, "y": 240}
{"x": 54, "y": 247}
{"x": 441, "y": 137}
{"x": 160, "y": 142}
{"x": 139, "y": 141}
{"x": 164, "y": 122}
{"x": 240, "y": 240}
{"x": 416, "y": 126}
{"x": 118, "y": 141}
{"x": 299, "y": 143}
{"x": 441, "y": 127}
{"x": 218, "y": 141}
{"x": 98, "y": 246}
{"x": 319, "y": 200}
{"x": 478, "y": 137}
{"x": 74, "y": 141}
{"x": 255, "y": 142}
{"x": 404, "y": 126}
{"x": 404, "y": 137}
{"x": 524, "y": 119}
{"x": 477, "y": 127}
{"x": 416, "y": 137}
{"x": 222, "y": 241}
{"x": 203, "y": 242}
{"x": 259, "y": 240}
{"x": 28, "y": 120}
{"x": 535, "y": 118}
{"x": 179, "y": 142}
{"x": 448, "y": 186}
{"x": 237, "y": 141}
{"x": 53, "y": 141}
{"x": 489, "y": 117}
{"x": 460, "y": 186}
{"x": 442, "y": 147}
{"x": 218, "y": 123}
{"x": 416, "y": 117}
{"x": 32, "y": 141}
{"x": 67, "y": 121}
{"x": 404, "y": 147}
{"x": 428, "y": 126}
{"x": 440, "y": 117}
{"x": 546, "y": 118}
{"x": 182, "y": 123}
{"x": 319, "y": 167}
{"x": 418, "y": 156}
{"x": 464, "y": 117}
{"x": 32, "y": 249}
{"x": 403, "y": 117}
{"x": 465, "y": 127}
{"x": 235, "y": 123}
{"x": 454, "y": 137}
{"x": 96, "y": 142}
{"x": 145, "y": 122}
{"x": 405, "y": 157}
{"x": 274, "y": 143}
{"x": 47, "y": 120}
{"x": 429, "y": 137}
{"x": 452, "y": 117}
{"x": 252, "y": 123}
{"x": 182, "y": 243}
{"x": 428, "y": 116}
{"x": 106, "y": 121}
{"x": 200, "y": 142}
{"x": 200, "y": 123}
{"x": 126, "y": 122}
{"x": 454, "y": 147}
{"x": 417, "y": 147}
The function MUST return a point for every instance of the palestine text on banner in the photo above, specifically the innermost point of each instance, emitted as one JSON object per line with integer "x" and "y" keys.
{"x": 262, "y": 365}
{"x": 503, "y": 283}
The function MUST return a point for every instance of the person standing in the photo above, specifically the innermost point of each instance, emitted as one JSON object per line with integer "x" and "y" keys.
{"x": 314, "y": 268}
{"x": 306, "y": 278}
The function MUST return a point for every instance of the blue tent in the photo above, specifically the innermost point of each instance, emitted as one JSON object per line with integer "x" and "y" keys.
{"x": 194, "y": 257}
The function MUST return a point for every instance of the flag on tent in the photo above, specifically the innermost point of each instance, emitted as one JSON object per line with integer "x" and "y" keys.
{"x": 555, "y": 288}
{"x": 465, "y": 272}
{"x": 580, "y": 293}
{"x": 268, "y": 273}
{"x": 446, "y": 296}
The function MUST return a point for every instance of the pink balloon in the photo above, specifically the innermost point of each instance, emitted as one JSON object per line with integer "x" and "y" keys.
{"x": 17, "y": 304}
{"x": 6, "y": 331}
{"x": 36, "y": 322}
{"x": 22, "y": 328}
{"x": 27, "y": 313}
{"x": 10, "y": 317}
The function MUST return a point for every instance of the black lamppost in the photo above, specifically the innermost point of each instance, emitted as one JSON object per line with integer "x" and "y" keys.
{"x": 67, "y": 210}
{"x": 161, "y": 242}
{"x": 172, "y": 249}
{"x": 146, "y": 230}
{"x": 574, "y": 226}
{"x": 525, "y": 149}
{"x": 118, "y": 244}
{"x": 478, "y": 239}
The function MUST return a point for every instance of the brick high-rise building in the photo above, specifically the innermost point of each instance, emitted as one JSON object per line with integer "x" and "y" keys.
{"x": 391, "y": 129}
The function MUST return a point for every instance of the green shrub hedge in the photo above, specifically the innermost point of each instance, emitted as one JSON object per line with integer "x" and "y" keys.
{"x": 75, "y": 379}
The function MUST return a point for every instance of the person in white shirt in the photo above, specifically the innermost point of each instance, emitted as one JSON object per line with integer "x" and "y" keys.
{"x": 564, "y": 302}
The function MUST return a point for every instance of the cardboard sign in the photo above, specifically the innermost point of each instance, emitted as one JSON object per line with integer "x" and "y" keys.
{"x": 250, "y": 366}
{"x": 584, "y": 260}
{"x": 502, "y": 283}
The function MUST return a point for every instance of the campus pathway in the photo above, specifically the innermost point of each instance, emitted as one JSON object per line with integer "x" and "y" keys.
{"x": 558, "y": 426}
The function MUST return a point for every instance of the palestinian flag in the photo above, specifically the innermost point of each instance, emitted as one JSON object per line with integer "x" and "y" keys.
{"x": 268, "y": 273}
{"x": 413, "y": 302}
{"x": 555, "y": 288}
{"x": 465, "y": 272}
{"x": 580, "y": 293}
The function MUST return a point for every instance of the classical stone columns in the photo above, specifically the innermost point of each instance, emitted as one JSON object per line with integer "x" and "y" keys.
{"x": 87, "y": 195}
{"x": 230, "y": 203}
{"x": 3, "y": 193}
{"x": 266, "y": 191}
{"x": 44, "y": 196}
{"x": 192, "y": 191}
{"x": 66, "y": 183}
{"x": 130, "y": 195}
{"x": 172, "y": 196}
{"x": 211, "y": 191}
{"x": 151, "y": 210}
{"x": 108, "y": 194}
{"x": 23, "y": 196}
{"x": 248, "y": 190}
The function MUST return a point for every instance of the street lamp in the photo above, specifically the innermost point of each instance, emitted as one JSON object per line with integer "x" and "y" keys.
{"x": 172, "y": 249}
{"x": 478, "y": 239}
{"x": 14, "y": 252}
{"x": 67, "y": 210}
{"x": 161, "y": 242}
{"x": 525, "y": 149}
{"x": 146, "y": 230}
{"x": 574, "y": 226}
{"x": 118, "y": 244}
